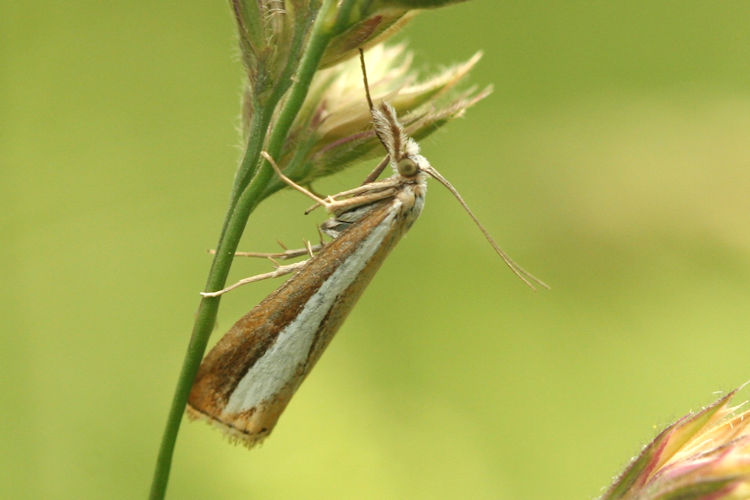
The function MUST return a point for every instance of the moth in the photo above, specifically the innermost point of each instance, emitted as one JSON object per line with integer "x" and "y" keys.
{"x": 248, "y": 378}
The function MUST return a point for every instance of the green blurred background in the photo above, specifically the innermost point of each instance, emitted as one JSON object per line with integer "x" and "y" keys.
{"x": 612, "y": 160}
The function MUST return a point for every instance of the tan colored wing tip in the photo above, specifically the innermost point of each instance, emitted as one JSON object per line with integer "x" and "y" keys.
{"x": 233, "y": 434}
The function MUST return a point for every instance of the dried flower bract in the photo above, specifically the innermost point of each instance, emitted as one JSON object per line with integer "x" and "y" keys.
{"x": 333, "y": 129}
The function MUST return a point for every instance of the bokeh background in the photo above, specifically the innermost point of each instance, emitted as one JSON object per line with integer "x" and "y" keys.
{"x": 612, "y": 160}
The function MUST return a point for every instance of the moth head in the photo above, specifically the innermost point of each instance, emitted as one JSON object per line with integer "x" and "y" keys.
{"x": 407, "y": 167}
{"x": 411, "y": 165}
{"x": 408, "y": 162}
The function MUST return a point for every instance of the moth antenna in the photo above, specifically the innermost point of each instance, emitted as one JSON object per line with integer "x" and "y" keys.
{"x": 519, "y": 271}
{"x": 380, "y": 120}
{"x": 364, "y": 77}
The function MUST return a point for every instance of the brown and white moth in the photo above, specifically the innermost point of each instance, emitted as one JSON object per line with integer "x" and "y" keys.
{"x": 248, "y": 378}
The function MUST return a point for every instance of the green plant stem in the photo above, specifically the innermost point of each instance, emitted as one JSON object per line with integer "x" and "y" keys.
{"x": 261, "y": 116}
{"x": 259, "y": 125}
{"x": 257, "y": 186}
{"x": 236, "y": 221}
{"x": 256, "y": 136}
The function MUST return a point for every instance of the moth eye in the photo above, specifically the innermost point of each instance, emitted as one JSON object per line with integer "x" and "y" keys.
{"x": 407, "y": 167}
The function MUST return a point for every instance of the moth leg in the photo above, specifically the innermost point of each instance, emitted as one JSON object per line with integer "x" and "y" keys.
{"x": 285, "y": 255}
{"x": 374, "y": 191}
{"x": 292, "y": 184}
{"x": 338, "y": 206}
{"x": 377, "y": 170}
{"x": 359, "y": 196}
{"x": 313, "y": 191}
{"x": 279, "y": 271}
{"x": 310, "y": 249}
{"x": 372, "y": 188}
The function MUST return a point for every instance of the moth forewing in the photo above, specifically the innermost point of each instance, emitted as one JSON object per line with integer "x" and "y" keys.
{"x": 247, "y": 379}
